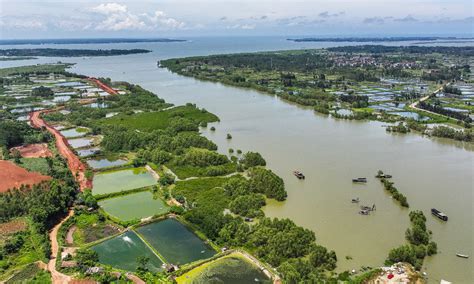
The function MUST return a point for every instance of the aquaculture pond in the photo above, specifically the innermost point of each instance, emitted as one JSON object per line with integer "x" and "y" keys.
{"x": 88, "y": 152}
{"x": 80, "y": 142}
{"x": 134, "y": 206}
{"x": 232, "y": 269}
{"x": 122, "y": 252}
{"x": 74, "y": 132}
{"x": 105, "y": 163}
{"x": 176, "y": 243}
{"x": 122, "y": 180}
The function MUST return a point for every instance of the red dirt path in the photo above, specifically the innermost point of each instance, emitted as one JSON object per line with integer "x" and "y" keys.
{"x": 33, "y": 150}
{"x": 74, "y": 163}
{"x": 12, "y": 176}
{"x": 103, "y": 86}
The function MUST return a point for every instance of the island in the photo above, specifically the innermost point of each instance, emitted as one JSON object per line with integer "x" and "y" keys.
{"x": 85, "y": 40}
{"x": 423, "y": 89}
{"x": 63, "y": 52}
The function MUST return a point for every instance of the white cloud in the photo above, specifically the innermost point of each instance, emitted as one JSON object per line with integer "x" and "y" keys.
{"x": 110, "y": 8}
{"x": 118, "y": 18}
{"x": 22, "y": 23}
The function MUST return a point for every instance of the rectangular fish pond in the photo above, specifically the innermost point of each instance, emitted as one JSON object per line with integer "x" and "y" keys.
{"x": 230, "y": 269}
{"x": 122, "y": 180}
{"x": 122, "y": 252}
{"x": 175, "y": 242}
{"x": 80, "y": 142}
{"x": 74, "y": 132}
{"x": 88, "y": 152}
{"x": 134, "y": 206}
{"x": 105, "y": 163}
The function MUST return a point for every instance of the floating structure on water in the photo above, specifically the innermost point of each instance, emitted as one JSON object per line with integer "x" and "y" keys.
{"x": 360, "y": 180}
{"x": 299, "y": 174}
{"x": 439, "y": 214}
{"x": 355, "y": 200}
{"x": 462, "y": 255}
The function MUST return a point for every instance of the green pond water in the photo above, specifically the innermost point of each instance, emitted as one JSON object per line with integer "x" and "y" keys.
{"x": 176, "y": 243}
{"x": 117, "y": 181}
{"x": 104, "y": 163}
{"x": 134, "y": 206}
{"x": 231, "y": 270}
{"x": 122, "y": 252}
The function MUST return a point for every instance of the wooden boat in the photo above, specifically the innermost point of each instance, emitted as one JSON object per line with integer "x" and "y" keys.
{"x": 299, "y": 174}
{"x": 359, "y": 180}
{"x": 439, "y": 214}
{"x": 462, "y": 255}
{"x": 355, "y": 200}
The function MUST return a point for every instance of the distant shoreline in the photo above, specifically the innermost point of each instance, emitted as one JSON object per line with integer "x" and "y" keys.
{"x": 377, "y": 39}
{"x": 62, "y": 52}
{"x": 85, "y": 41}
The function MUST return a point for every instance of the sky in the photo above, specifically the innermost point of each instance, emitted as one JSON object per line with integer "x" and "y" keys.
{"x": 24, "y": 19}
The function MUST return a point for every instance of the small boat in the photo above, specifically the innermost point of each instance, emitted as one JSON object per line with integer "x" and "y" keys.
{"x": 359, "y": 180}
{"x": 355, "y": 200}
{"x": 364, "y": 212}
{"x": 299, "y": 174}
{"x": 462, "y": 255}
{"x": 387, "y": 176}
{"x": 439, "y": 214}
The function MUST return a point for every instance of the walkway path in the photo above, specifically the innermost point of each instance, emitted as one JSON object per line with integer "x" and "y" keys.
{"x": 56, "y": 276}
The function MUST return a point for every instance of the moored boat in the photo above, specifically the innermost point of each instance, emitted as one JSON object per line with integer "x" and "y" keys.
{"x": 439, "y": 214}
{"x": 359, "y": 179}
{"x": 462, "y": 255}
{"x": 299, "y": 174}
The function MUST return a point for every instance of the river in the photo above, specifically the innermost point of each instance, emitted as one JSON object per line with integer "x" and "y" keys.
{"x": 431, "y": 173}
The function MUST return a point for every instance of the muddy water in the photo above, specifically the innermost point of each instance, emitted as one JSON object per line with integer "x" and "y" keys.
{"x": 431, "y": 173}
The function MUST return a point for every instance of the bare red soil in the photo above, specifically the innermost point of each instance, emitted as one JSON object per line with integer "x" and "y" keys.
{"x": 12, "y": 176}
{"x": 74, "y": 163}
{"x": 103, "y": 86}
{"x": 33, "y": 151}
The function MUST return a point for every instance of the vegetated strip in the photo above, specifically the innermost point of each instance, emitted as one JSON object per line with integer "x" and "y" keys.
{"x": 121, "y": 193}
{"x": 62, "y": 52}
{"x": 85, "y": 40}
{"x": 388, "y": 185}
{"x": 162, "y": 258}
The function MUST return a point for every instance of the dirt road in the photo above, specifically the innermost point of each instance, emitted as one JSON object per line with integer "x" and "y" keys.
{"x": 74, "y": 163}
{"x": 56, "y": 276}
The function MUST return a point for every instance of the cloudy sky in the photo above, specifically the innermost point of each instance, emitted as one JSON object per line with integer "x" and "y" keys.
{"x": 185, "y": 18}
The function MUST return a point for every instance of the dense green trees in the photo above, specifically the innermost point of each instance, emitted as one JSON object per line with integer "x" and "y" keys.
{"x": 202, "y": 158}
{"x": 419, "y": 243}
{"x": 14, "y": 133}
{"x": 248, "y": 205}
{"x": 449, "y": 132}
{"x": 266, "y": 182}
{"x": 252, "y": 159}
{"x": 42, "y": 91}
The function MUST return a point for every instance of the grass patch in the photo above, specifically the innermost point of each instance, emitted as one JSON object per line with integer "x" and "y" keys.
{"x": 35, "y": 165}
{"x": 148, "y": 121}
{"x": 195, "y": 190}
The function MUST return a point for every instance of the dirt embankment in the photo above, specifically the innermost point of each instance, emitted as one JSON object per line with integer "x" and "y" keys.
{"x": 12, "y": 176}
{"x": 39, "y": 150}
{"x": 76, "y": 166}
